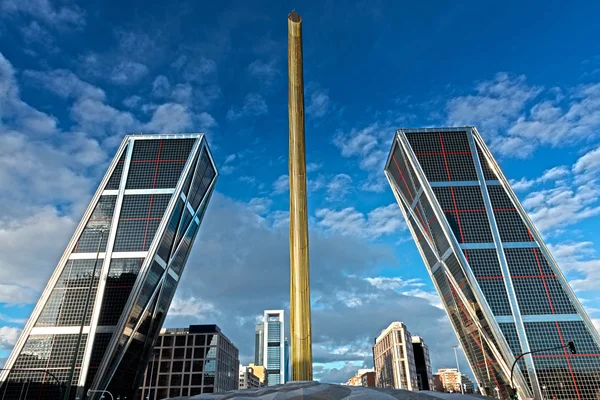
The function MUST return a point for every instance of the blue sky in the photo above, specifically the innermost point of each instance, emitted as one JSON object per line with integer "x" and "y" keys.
{"x": 75, "y": 79}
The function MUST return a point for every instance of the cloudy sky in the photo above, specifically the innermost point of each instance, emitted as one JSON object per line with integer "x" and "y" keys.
{"x": 74, "y": 80}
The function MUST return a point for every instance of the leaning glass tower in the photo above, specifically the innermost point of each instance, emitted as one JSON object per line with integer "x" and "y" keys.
{"x": 96, "y": 322}
{"x": 502, "y": 290}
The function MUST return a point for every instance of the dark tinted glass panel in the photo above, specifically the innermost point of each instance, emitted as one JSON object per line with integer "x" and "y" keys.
{"x": 495, "y": 294}
{"x": 164, "y": 250}
{"x": 115, "y": 177}
{"x": 511, "y": 227}
{"x": 527, "y": 262}
{"x": 158, "y": 163}
{"x": 66, "y": 304}
{"x": 484, "y": 263}
{"x": 184, "y": 249}
{"x": 139, "y": 220}
{"x": 97, "y": 226}
{"x": 122, "y": 275}
{"x": 541, "y": 296}
{"x": 400, "y": 175}
{"x": 488, "y": 174}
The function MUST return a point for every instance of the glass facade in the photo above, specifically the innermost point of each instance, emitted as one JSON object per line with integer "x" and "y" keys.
{"x": 136, "y": 235}
{"x": 187, "y": 362}
{"x": 274, "y": 347}
{"x": 503, "y": 291}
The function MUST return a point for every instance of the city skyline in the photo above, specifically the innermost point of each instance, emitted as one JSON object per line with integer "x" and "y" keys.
{"x": 76, "y": 78}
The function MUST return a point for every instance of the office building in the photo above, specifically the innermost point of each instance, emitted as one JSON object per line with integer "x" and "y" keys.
{"x": 364, "y": 377}
{"x": 259, "y": 343}
{"x": 188, "y": 361}
{"x": 127, "y": 254}
{"x": 394, "y": 358}
{"x": 422, "y": 363}
{"x": 502, "y": 289}
{"x": 247, "y": 378}
{"x": 451, "y": 380}
{"x": 274, "y": 347}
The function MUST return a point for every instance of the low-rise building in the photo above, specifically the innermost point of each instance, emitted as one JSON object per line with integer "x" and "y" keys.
{"x": 248, "y": 379}
{"x": 261, "y": 372}
{"x": 364, "y": 377}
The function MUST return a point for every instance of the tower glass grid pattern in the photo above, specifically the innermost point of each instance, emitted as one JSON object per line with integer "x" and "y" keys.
{"x": 138, "y": 231}
{"x": 274, "y": 347}
{"x": 502, "y": 290}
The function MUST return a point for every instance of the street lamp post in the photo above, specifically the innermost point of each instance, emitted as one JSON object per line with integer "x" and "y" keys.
{"x": 154, "y": 352}
{"x": 458, "y": 369}
{"x": 570, "y": 345}
{"x": 101, "y": 227}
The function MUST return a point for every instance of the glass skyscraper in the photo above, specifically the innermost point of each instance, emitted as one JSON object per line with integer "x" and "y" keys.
{"x": 259, "y": 343}
{"x": 502, "y": 290}
{"x": 115, "y": 281}
{"x": 274, "y": 347}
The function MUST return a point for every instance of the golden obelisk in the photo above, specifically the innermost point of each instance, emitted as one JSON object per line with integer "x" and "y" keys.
{"x": 300, "y": 325}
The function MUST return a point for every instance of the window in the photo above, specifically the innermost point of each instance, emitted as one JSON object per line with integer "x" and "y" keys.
{"x": 180, "y": 340}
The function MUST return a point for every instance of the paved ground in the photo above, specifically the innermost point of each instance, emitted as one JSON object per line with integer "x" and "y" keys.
{"x": 322, "y": 391}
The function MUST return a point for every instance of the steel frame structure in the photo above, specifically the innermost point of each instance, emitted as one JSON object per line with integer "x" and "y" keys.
{"x": 475, "y": 322}
{"x": 123, "y": 333}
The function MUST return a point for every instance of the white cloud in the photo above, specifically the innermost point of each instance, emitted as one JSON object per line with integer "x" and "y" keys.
{"x": 8, "y": 337}
{"x": 313, "y": 167}
{"x": 589, "y": 163}
{"x": 132, "y": 101}
{"x": 370, "y": 145}
{"x": 281, "y": 184}
{"x": 68, "y": 16}
{"x": 161, "y": 86}
{"x": 381, "y": 282}
{"x": 170, "y": 118}
{"x": 190, "y": 307}
{"x": 260, "y": 205}
{"x": 348, "y": 221}
{"x": 579, "y": 257}
{"x": 562, "y": 206}
{"x": 254, "y": 105}
{"x": 16, "y": 113}
{"x": 318, "y": 103}
{"x": 502, "y": 109}
{"x": 65, "y": 84}
{"x": 338, "y": 187}
{"x": 266, "y": 72}
{"x": 522, "y": 184}
{"x": 128, "y": 72}
{"x": 496, "y": 103}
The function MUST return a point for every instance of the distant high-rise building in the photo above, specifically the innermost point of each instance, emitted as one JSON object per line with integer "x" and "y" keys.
{"x": 394, "y": 358}
{"x": 111, "y": 289}
{"x": 502, "y": 289}
{"x": 274, "y": 347}
{"x": 247, "y": 378}
{"x": 188, "y": 361}
{"x": 259, "y": 343}
{"x": 422, "y": 363}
